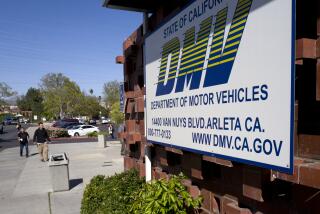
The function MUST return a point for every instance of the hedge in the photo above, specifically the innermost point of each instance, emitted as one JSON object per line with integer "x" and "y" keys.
{"x": 127, "y": 193}
{"x": 111, "y": 194}
{"x": 56, "y": 133}
{"x": 165, "y": 197}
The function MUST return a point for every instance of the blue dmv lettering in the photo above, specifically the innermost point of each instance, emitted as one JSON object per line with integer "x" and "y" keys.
{"x": 258, "y": 146}
{"x": 220, "y": 60}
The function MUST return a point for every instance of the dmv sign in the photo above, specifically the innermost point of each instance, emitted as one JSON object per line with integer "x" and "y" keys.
{"x": 220, "y": 81}
{"x": 221, "y": 56}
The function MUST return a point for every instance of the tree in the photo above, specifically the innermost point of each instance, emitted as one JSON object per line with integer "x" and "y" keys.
{"x": 93, "y": 107}
{"x": 111, "y": 92}
{"x": 62, "y": 97}
{"x": 32, "y": 101}
{"x": 73, "y": 98}
{"x": 91, "y": 91}
{"x": 116, "y": 115}
{"x": 52, "y": 81}
{"x": 52, "y": 86}
{"x": 22, "y": 103}
{"x": 5, "y": 91}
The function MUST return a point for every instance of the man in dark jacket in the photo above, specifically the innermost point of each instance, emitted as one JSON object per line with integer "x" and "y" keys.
{"x": 23, "y": 138}
{"x": 41, "y": 137}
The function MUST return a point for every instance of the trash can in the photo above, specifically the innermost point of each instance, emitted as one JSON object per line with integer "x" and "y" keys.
{"x": 102, "y": 141}
{"x": 59, "y": 171}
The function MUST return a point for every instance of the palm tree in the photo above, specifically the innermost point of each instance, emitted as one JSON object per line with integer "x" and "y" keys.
{"x": 91, "y": 91}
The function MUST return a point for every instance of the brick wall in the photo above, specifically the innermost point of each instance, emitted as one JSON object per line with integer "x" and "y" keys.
{"x": 230, "y": 187}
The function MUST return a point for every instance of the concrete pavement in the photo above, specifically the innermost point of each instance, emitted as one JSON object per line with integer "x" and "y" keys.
{"x": 25, "y": 185}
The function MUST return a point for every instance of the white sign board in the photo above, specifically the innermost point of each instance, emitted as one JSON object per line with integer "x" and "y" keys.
{"x": 220, "y": 81}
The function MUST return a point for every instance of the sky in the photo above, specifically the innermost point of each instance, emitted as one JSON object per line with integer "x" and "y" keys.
{"x": 78, "y": 38}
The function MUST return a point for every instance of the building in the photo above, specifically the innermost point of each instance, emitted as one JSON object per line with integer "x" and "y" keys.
{"x": 229, "y": 186}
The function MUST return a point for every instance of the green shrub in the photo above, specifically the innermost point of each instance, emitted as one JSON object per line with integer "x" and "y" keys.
{"x": 95, "y": 134}
{"x": 165, "y": 197}
{"x": 103, "y": 133}
{"x": 111, "y": 194}
{"x": 58, "y": 133}
{"x": 92, "y": 134}
{"x": 93, "y": 195}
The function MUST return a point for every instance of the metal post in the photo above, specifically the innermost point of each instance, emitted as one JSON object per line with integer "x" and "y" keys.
{"x": 145, "y": 23}
{"x": 146, "y": 148}
{"x": 148, "y": 163}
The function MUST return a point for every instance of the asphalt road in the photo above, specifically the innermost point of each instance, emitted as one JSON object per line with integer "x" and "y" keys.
{"x": 9, "y": 138}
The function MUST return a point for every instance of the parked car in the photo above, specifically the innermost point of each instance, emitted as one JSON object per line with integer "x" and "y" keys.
{"x": 72, "y": 125}
{"x": 7, "y": 121}
{"x": 65, "y": 122}
{"x": 14, "y": 121}
{"x": 82, "y": 130}
{"x": 105, "y": 121}
{"x": 23, "y": 120}
{"x": 92, "y": 122}
{"x": 82, "y": 121}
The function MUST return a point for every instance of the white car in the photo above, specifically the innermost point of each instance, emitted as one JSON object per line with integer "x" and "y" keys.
{"x": 82, "y": 130}
{"x": 23, "y": 120}
{"x": 105, "y": 121}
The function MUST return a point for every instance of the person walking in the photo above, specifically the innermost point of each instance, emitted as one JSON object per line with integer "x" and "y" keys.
{"x": 41, "y": 137}
{"x": 23, "y": 138}
{"x": 110, "y": 130}
{"x": 18, "y": 127}
{"x": 121, "y": 129}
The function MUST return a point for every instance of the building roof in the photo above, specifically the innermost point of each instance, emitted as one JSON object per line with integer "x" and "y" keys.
{"x": 132, "y": 5}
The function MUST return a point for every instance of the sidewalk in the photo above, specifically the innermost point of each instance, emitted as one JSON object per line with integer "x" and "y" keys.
{"x": 25, "y": 185}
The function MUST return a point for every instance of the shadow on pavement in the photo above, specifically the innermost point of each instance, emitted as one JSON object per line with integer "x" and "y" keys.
{"x": 33, "y": 154}
{"x": 106, "y": 165}
{"x": 75, "y": 182}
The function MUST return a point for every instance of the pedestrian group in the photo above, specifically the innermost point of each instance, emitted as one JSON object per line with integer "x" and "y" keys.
{"x": 41, "y": 138}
